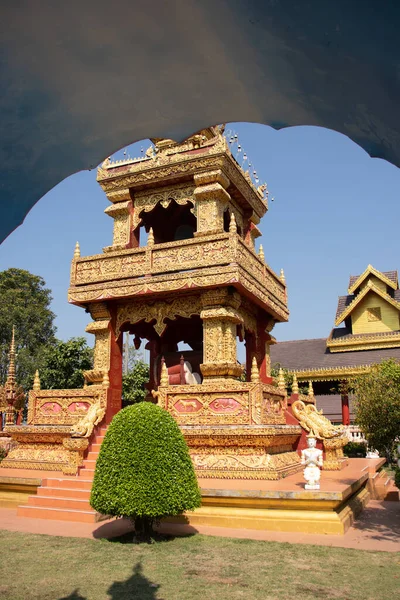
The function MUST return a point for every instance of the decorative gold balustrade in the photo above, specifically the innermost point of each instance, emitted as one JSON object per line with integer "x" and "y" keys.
{"x": 63, "y": 407}
{"x": 220, "y": 259}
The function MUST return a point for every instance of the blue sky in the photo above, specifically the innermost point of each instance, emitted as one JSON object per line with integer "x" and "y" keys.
{"x": 335, "y": 211}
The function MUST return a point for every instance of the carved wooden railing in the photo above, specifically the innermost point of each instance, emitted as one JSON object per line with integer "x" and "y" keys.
{"x": 62, "y": 407}
{"x": 177, "y": 257}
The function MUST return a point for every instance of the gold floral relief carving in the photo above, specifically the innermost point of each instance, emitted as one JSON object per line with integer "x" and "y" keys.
{"x": 208, "y": 408}
{"x": 184, "y": 306}
{"x": 101, "y": 359}
{"x": 269, "y": 435}
{"x": 161, "y": 170}
{"x": 99, "y": 311}
{"x": 193, "y": 255}
{"x": 121, "y": 230}
{"x": 119, "y": 196}
{"x": 249, "y": 319}
{"x": 213, "y": 341}
{"x": 158, "y": 259}
{"x": 212, "y": 277}
{"x": 229, "y": 336}
{"x": 272, "y": 410}
{"x": 202, "y": 179}
{"x": 210, "y": 213}
{"x": 146, "y": 202}
{"x": 268, "y": 359}
{"x": 54, "y": 407}
{"x": 215, "y": 156}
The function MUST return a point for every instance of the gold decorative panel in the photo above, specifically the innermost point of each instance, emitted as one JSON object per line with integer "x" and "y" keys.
{"x": 62, "y": 407}
{"x": 373, "y": 314}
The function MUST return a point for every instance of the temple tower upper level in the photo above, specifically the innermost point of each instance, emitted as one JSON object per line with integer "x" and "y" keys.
{"x": 200, "y": 212}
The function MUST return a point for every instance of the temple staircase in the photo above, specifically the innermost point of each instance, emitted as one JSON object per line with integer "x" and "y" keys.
{"x": 67, "y": 498}
{"x": 382, "y": 487}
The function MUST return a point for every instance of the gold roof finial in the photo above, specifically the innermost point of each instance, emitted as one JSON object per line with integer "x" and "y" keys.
{"x": 310, "y": 389}
{"x": 150, "y": 237}
{"x": 10, "y": 383}
{"x": 164, "y": 375}
{"x": 77, "y": 251}
{"x": 295, "y": 386}
{"x": 232, "y": 224}
{"x": 261, "y": 253}
{"x": 10, "y": 386}
{"x": 282, "y": 276}
{"x": 255, "y": 374}
{"x": 281, "y": 380}
{"x": 36, "y": 382}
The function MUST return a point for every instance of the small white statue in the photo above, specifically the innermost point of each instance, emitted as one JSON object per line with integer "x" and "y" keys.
{"x": 311, "y": 457}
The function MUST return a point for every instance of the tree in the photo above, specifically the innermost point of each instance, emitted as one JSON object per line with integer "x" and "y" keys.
{"x": 377, "y": 406}
{"x": 25, "y": 303}
{"x": 63, "y": 364}
{"x": 133, "y": 383}
{"x": 144, "y": 471}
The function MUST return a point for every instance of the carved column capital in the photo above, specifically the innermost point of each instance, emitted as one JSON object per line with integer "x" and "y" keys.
{"x": 221, "y": 297}
{"x": 216, "y": 176}
{"x": 119, "y": 195}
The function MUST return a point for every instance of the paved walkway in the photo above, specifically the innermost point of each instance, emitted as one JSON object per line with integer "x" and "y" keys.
{"x": 377, "y": 529}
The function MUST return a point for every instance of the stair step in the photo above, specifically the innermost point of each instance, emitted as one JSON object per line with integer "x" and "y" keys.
{"x": 75, "y": 494}
{"x": 80, "y": 483}
{"x": 92, "y": 456}
{"x": 59, "y": 502}
{"x": 88, "y": 474}
{"x": 95, "y": 448}
{"x": 90, "y": 464}
{"x": 59, "y": 514}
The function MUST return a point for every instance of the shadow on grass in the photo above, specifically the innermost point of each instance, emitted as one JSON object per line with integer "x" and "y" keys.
{"x": 136, "y": 587}
{"x": 75, "y": 595}
{"x": 121, "y": 530}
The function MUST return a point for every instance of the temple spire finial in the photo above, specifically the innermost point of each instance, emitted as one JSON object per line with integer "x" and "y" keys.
{"x": 281, "y": 380}
{"x": 10, "y": 385}
{"x": 36, "y": 381}
{"x": 310, "y": 389}
{"x": 11, "y": 364}
{"x": 232, "y": 224}
{"x": 261, "y": 253}
{"x": 150, "y": 237}
{"x": 282, "y": 276}
{"x": 77, "y": 251}
{"x": 164, "y": 380}
{"x": 255, "y": 374}
{"x": 295, "y": 386}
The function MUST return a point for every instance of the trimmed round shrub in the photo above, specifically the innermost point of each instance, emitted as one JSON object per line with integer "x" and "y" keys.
{"x": 397, "y": 477}
{"x": 144, "y": 470}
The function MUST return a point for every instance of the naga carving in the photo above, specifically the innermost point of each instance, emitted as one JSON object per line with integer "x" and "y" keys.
{"x": 84, "y": 427}
{"x": 313, "y": 420}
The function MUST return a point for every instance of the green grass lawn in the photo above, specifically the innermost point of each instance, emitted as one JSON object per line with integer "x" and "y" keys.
{"x": 56, "y": 568}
